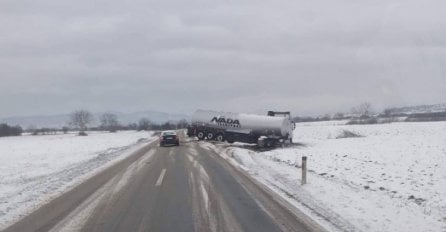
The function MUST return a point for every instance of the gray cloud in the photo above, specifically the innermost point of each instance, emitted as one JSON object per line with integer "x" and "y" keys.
{"x": 310, "y": 57}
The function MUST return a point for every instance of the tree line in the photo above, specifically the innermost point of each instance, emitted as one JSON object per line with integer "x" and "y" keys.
{"x": 82, "y": 119}
{"x": 6, "y": 130}
{"x": 365, "y": 113}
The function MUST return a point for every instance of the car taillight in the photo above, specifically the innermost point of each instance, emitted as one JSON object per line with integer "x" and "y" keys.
{"x": 161, "y": 138}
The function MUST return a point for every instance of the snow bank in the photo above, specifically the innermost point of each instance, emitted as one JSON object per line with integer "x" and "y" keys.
{"x": 390, "y": 179}
{"x": 35, "y": 169}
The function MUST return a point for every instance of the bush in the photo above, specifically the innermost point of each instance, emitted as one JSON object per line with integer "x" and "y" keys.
{"x": 348, "y": 134}
{"x": 82, "y": 133}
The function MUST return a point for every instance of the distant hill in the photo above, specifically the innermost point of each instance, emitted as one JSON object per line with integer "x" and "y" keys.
{"x": 58, "y": 121}
{"x": 421, "y": 109}
{"x": 50, "y": 121}
{"x": 154, "y": 116}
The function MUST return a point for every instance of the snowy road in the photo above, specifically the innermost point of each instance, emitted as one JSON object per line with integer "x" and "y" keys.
{"x": 186, "y": 188}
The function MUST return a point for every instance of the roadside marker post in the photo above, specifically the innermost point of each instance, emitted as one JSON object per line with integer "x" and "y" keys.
{"x": 304, "y": 170}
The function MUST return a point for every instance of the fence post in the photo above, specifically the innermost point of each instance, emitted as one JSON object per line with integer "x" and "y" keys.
{"x": 304, "y": 170}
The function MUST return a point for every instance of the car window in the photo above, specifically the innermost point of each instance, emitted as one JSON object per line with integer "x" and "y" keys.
{"x": 168, "y": 133}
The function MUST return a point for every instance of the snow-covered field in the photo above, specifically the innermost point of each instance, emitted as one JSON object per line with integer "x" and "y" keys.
{"x": 35, "y": 169}
{"x": 393, "y": 178}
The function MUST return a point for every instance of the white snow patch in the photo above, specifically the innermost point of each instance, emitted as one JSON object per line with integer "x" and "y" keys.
{"x": 391, "y": 179}
{"x": 36, "y": 169}
{"x": 77, "y": 219}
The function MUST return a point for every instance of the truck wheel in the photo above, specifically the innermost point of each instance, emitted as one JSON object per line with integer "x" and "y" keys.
{"x": 210, "y": 135}
{"x": 220, "y": 138}
{"x": 200, "y": 135}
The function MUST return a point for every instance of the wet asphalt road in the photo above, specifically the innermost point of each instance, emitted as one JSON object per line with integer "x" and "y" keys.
{"x": 185, "y": 188}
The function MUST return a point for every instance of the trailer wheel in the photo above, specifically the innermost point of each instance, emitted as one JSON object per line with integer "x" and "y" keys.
{"x": 200, "y": 135}
{"x": 210, "y": 135}
{"x": 270, "y": 143}
{"x": 220, "y": 137}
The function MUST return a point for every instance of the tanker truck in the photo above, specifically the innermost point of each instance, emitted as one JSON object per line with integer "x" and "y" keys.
{"x": 265, "y": 130}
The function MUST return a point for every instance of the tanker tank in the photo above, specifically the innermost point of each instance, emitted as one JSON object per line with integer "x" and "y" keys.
{"x": 244, "y": 123}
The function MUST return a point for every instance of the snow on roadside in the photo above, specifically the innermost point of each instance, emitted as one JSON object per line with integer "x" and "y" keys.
{"x": 390, "y": 179}
{"x": 36, "y": 169}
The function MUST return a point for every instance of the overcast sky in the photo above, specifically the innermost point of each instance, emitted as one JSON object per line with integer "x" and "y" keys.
{"x": 310, "y": 57}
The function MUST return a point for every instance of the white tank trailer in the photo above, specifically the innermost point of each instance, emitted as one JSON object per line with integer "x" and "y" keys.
{"x": 267, "y": 131}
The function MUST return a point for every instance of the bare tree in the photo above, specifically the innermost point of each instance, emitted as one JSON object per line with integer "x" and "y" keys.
{"x": 338, "y": 116}
{"x": 65, "y": 129}
{"x": 362, "y": 110}
{"x": 144, "y": 124}
{"x": 132, "y": 126}
{"x": 389, "y": 115}
{"x": 182, "y": 124}
{"x": 388, "y": 112}
{"x": 80, "y": 120}
{"x": 109, "y": 122}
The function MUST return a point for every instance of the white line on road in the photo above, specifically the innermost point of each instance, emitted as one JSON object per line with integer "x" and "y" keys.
{"x": 160, "y": 179}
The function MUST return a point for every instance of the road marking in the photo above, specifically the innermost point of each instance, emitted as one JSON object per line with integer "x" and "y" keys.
{"x": 160, "y": 179}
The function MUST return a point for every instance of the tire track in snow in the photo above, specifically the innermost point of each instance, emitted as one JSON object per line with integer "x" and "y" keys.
{"x": 77, "y": 219}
